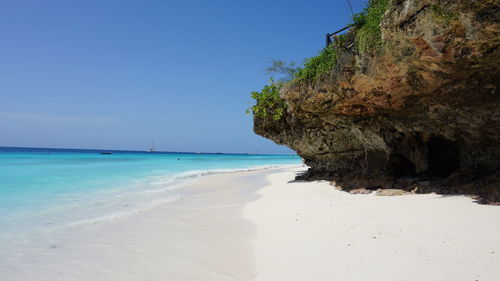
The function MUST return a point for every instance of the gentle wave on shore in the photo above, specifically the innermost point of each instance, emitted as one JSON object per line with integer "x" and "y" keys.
{"x": 43, "y": 190}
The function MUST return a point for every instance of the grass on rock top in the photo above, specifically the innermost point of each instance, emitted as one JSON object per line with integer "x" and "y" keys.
{"x": 315, "y": 66}
{"x": 367, "y": 24}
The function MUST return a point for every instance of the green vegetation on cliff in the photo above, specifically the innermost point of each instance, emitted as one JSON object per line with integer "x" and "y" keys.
{"x": 311, "y": 69}
{"x": 315, "y": 66}
{"x": 269, "y": 103}
{"x": 367, "y": 23}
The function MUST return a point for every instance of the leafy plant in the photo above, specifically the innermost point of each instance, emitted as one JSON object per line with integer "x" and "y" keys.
{"x": 315, "y": 66}
{"x": 368, "y": 34}
{"x": 269, "y": 103}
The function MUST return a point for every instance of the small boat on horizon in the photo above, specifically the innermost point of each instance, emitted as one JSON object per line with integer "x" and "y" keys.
{"x": 106, "y": 152}
{"x": 151, "y": 149}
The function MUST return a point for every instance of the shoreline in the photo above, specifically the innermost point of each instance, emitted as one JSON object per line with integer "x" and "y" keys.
{"x": 264, "y": 225}
{"x": 117, "y": 200}
{"x": 200, "y": 236}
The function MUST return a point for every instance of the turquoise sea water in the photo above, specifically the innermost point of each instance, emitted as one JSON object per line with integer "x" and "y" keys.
{"x": 43, "y": 189}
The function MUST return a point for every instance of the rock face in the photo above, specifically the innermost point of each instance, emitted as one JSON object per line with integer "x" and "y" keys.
{"x": 425, "y": 108}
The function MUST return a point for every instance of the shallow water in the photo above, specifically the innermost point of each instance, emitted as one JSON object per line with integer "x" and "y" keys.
{"x": 47, "y": 189}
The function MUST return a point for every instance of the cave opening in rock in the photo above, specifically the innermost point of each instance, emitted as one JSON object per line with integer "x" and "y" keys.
{"x": 442, "y": 157}
{"x": 402, "y": 166}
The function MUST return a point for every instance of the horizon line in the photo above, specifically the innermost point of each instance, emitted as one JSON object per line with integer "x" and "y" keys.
{"x": 145, "y": 151}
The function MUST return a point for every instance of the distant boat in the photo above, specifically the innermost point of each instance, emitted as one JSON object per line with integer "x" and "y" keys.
{"x": 152, "y": 148}
{"x": 106, "y": 152}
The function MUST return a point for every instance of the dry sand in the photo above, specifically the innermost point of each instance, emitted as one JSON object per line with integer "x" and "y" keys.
{"x": 310, "y": 231}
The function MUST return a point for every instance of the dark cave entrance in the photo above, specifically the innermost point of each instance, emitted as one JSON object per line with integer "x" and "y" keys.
{"x": 442, "y": 157}
{"x": 402, "y": 166}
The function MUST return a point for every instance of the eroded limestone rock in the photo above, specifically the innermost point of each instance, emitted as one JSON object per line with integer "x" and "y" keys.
{"x": 425, "y": 107}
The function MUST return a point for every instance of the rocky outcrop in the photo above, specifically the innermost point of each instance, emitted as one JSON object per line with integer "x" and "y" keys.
{"x": 423, "y": 113}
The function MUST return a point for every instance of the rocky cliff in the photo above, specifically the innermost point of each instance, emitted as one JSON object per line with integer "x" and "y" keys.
{"x": 421, "y": 113}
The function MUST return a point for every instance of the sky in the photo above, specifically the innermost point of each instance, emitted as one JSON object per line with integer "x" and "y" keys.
{"x": 117, "y": 74}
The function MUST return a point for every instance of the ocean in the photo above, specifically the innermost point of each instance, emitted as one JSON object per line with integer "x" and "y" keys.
{"x": 43, "y": 190}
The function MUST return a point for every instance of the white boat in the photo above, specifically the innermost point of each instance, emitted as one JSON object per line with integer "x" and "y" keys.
{"x": 152, "y": 148}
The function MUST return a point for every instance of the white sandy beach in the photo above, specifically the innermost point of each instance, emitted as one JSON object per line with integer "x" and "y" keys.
{"x": 310, "y": 231}
{"x": 262, "y": 225}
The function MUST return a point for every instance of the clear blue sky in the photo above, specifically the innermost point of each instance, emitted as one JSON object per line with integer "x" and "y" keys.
{"x": 117, "y": 74}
